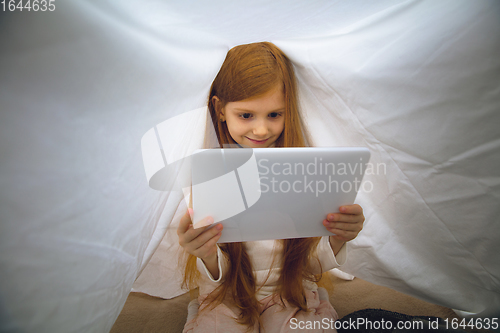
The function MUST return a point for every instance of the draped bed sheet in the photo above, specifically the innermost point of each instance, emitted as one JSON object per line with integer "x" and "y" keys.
{"x": 417, "y": 82}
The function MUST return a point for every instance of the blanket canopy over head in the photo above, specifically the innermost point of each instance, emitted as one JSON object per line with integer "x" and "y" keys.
{"x": 417, "y": 82}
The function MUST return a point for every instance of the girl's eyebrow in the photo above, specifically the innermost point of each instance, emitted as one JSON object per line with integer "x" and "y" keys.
{"x": 245, "y": 110}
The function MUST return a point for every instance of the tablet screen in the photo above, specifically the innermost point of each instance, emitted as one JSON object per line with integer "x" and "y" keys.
{"x": 274, "y": 193}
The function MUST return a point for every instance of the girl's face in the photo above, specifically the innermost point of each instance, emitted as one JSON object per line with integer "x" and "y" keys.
{"x": 256, "y": 122}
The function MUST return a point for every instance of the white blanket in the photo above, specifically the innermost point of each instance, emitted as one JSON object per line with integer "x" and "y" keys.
{"x": 417, "y": 82}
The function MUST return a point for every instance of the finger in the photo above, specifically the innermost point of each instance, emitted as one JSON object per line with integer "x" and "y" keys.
{"x": 204, "y": 237}
{"x": 203, "y": 223}
{"x": 209, "y": 247}
{"x": 184, "y": 223}
{"x": 351, "y": 209}
{"x": 344, "y": 226}
{"x": 346, "y": 234}
{"x": 337, "y": 217}
{"x": 343, "y": 234}
{"x": 192, "y": 233}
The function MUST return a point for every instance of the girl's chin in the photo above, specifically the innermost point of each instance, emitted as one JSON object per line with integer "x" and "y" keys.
{"x": 253, "y": 145}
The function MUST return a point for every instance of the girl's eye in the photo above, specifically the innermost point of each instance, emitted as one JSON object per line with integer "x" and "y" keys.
{"x": 274, "y": 114}
{"x": 246, "y": 115}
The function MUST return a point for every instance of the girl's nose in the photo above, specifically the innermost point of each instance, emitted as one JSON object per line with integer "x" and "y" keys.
{"x": 260, "y": 129}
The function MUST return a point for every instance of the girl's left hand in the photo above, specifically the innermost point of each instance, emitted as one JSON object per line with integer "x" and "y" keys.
{"x": 347, "y": 224}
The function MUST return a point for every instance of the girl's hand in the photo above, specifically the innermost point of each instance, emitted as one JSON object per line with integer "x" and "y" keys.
{"x": 346, "y": 225}
{"x": 200, "y": 242}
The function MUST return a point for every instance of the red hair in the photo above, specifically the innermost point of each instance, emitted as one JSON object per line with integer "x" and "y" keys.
{"x": 249, "y": 71}
{"x": 252, "y": 70}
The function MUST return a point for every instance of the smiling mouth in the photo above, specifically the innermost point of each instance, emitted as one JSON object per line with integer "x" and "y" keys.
{"x": 257, "y": 141}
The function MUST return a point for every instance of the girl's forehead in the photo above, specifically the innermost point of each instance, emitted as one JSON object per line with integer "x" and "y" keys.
{"x": 273, "y": 100}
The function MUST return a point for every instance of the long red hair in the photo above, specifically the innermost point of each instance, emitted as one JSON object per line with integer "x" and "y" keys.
{"x": 249, "y": 71}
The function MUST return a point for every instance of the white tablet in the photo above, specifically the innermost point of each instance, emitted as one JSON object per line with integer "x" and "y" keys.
{"x": 274, "y": 193}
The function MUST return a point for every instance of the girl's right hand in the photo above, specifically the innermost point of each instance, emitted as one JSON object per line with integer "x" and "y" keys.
{"x": 200, "y": 242}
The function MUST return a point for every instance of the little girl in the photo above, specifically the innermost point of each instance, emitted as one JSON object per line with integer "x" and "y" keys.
{"x": 264, "y": 286}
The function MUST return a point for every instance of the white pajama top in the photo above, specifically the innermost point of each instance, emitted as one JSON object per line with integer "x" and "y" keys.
{"x": 262, "y": 254}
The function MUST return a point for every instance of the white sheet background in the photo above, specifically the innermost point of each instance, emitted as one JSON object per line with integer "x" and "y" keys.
{"x": 415, "y": 81}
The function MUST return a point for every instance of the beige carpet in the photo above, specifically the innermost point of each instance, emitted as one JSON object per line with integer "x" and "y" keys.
{"x": 143, "y": 313}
